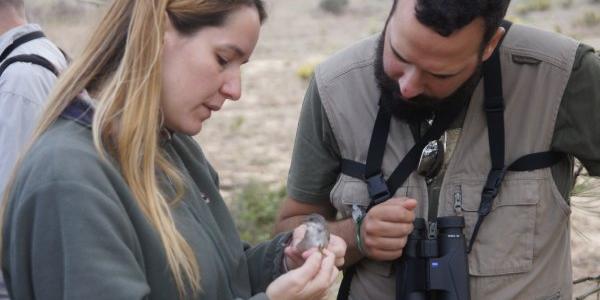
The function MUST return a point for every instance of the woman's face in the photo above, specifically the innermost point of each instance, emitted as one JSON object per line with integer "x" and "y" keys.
{"x": 202, "y": 70}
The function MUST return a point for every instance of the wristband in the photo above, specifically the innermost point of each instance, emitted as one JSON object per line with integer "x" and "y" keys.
{"x": 359, "y": 244}
{"x": 357, "y": 216}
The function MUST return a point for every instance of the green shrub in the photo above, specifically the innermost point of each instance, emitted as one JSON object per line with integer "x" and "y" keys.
{"x": 566, "y": 3}
{"x": 333, "y": 6}
{"x": 255, "y": 209}
{"x": 590, "y": 19}
{"x": 306, "y": 70}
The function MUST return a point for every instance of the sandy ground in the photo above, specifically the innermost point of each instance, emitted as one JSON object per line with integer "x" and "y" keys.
{"x": 252, "y": 139}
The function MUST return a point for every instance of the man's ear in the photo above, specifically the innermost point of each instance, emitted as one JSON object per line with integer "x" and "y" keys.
{"x": 493, "y": 43}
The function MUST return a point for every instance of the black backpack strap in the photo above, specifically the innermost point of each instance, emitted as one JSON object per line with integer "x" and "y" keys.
{"x": 29, "y": 58}
{"x": 20, "y": 41}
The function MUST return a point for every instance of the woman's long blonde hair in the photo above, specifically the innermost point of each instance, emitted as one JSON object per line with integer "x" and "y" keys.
{"x": 121, "y": 68}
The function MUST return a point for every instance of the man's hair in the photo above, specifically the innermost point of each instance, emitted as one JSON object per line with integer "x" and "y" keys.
{"x": 448, "y": 16}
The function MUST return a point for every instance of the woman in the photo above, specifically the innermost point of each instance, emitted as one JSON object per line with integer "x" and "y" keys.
{"x": 114, "y": 199}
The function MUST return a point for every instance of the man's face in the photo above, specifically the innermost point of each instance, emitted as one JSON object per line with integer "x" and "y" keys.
{"x": 423, "y": 68}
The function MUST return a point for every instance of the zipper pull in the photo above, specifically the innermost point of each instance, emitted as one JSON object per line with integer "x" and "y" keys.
{"x": 432, "y": 231}
{"x": 458, "y": 201}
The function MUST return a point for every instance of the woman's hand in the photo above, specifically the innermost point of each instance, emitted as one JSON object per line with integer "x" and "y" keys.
{"x": 309, "y": 281}
{"x": 294, "y": 258}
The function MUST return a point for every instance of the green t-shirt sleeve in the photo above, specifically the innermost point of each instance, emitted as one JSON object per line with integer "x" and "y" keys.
{"x": 316, "y": 157}
{"x": 577, "y": 130}
{"x": 68, "y": 240}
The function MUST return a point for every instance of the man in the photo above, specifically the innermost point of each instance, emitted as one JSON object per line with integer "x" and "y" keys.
{"x": 27, "y": 65}
{"x": 427, "y": 66}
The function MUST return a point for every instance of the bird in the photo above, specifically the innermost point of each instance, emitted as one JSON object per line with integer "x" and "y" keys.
{"x": 316, "y": 234}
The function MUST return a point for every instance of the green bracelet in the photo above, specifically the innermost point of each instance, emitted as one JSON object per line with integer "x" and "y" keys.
{"x": 359, "y": 243}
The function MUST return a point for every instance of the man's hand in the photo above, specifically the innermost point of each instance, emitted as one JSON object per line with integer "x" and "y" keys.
{"x": 386, "y": 227}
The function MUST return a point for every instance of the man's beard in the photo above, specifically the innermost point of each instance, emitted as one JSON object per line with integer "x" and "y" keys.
{"x": 421, "y": 107}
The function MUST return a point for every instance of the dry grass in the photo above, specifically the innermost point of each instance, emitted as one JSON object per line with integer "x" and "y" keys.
{"x": 528, "y": 6}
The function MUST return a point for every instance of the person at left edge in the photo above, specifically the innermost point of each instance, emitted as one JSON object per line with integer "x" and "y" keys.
{"x": 24, "y": 86}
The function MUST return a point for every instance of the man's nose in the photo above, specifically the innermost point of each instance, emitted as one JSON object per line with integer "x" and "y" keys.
{"x": 410, "y": 83}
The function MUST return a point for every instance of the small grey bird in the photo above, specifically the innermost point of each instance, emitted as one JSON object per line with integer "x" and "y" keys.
{"x": 317, "y": 233}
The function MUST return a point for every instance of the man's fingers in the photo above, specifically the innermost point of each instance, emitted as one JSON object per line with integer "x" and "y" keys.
{"x": 384, "y": 255}
{"x": 392, "y": 212}
{"x": 410, "y": 204}
{"x": 380, "y": 228}
{"x": 385, "y": 244}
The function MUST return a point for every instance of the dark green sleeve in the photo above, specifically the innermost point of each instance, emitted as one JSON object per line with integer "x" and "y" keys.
{"x": 316, "y": 157}
{"x": 265, "y": 261}
{"x": 577, "y": 129}
{"x": 71, "y": 241}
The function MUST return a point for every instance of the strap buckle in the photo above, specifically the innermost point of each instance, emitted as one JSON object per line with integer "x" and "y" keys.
{"x": 491, "y": 190}
{"x": 378, "y": 189}
{"x": 494, "y": 104}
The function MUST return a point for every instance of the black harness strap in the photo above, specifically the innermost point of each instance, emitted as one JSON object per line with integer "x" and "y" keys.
{"x": 376, "y": 184}
{"x": 494, "y": 112}
{"x": 20, "y": 41}
{"x": 28, "y": 58}
{"x": 379, "y": 188}
{"x": 536, "y": 161}
{"x": 442, "y": 121}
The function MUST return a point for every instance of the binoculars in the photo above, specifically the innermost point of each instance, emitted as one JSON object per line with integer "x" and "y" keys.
{"x": 434, "y": 267}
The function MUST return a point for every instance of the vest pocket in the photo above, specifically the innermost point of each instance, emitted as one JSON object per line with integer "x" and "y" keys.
{"x": 348, "y": 191}
{"x": 505, "y": 242}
